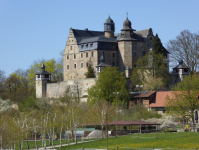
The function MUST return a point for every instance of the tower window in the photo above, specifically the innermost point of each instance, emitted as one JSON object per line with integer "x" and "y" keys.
{"x": 71, "y": 48}
{"x": 82, "y": 65}
{"x": 74, "y": 56}
{"x": 68, "y": 67}
{"x": 81, "y": 55}
{"x": 134, "y": 53}
{"x": 86, "y": 54}
{"x": 185, "y": 70}
{"x": 113, "y": 55}
{"x": 74, "y": 66}
{"x": 92, "y": 54}
{"x": 143, "y": 53}
{"x": 67, "y": 57}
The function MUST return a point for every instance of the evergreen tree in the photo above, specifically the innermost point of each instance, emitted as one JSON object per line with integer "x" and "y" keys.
{"x": 157, "y": 45}
{"x": 90, "y": 70}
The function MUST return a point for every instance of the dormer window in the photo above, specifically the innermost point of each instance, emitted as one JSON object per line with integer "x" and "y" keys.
{"x": 86, "y": 45}
{"x": 82, "y": 45}
{"x": 91, "y": 44}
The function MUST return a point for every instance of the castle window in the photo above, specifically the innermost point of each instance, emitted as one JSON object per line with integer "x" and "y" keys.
{"x": 134, "y": 53}
{"x": 74, "y": 56}
{"x": 86, "y": 54}
{"x": 71, "y": 48}
{"x": 67, "y": 57}
{"x": 185, "y": 70}
{"x": 82, "y": 65}
{"x": 92, "y": 54}
{"x": 74, "y": 66}
{"x": 81, "y": 55}
{"x": 113, "y": 55}
{"x": 143, "y": 53}
{"x": 113, "y": 64}
{"x": 68, "y": 67}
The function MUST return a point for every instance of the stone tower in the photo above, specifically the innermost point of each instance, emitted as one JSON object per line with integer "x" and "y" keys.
{"x": 41, "y": 79}
{"x": 180, "y": 71}
{"x": 126, "y": 45}
{"x": 109, "y": 28}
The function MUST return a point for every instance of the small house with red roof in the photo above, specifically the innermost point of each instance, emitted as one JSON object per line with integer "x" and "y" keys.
{"x": 152, "y": 100}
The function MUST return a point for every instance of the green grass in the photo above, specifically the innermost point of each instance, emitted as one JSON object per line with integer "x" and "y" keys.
{"x": 39, "y": 143}
{"x": 182, "y": 140}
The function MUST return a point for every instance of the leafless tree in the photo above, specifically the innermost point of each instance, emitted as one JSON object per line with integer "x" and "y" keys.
{"x": 186, "y": 47}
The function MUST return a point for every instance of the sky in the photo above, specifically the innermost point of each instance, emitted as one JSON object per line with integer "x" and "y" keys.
{"x": 38, "y": 29}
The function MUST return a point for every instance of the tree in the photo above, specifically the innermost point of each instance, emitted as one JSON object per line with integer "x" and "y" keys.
{"x": 157, "y": 45}
{"x": 110, "y": 84}
{"x": 3, "y": 93}
{"x": 53, "y": 67}
{"x": 151, "y": 71}
{"x": 18, "y": 87}
{"x": 184, "y": 99}
{"x": 185, "y": 46}
{"x": 90, "y": 70}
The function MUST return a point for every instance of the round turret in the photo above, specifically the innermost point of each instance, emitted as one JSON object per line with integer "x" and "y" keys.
{"x": 109, "y": 28}
{"x": 109, "y": 20}
{"x": 127, "y": 24}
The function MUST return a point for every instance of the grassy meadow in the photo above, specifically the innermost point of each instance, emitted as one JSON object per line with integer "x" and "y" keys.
{"x": 181, "y": 140}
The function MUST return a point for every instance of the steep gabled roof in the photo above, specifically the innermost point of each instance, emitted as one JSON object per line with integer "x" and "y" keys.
{"x": 160, "y": 97}
{"x": 82, "y": 34}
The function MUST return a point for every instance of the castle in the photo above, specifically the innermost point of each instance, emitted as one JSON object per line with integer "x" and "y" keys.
{"x": 120, "y": 49}
{"x": 115, "y": 49}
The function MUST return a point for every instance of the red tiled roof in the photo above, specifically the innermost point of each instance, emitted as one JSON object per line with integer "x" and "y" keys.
{"x": 160, "y": 97}
{"x": 132, "y": 123}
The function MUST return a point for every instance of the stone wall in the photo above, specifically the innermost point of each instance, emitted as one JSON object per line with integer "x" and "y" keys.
{"x": 56, "y": 90}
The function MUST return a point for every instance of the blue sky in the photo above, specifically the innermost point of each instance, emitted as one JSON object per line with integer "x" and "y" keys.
{"x": 35, "y": 29}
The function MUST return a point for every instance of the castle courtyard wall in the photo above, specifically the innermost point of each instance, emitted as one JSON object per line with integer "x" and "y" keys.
{"x": 56, "y": 90}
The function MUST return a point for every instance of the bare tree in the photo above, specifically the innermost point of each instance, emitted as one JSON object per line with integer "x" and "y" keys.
{"x": 186, "y": 47}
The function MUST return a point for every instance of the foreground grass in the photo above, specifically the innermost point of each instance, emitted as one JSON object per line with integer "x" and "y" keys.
{"x": 183, "y": 140}
{"x": 39, "y": 143}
